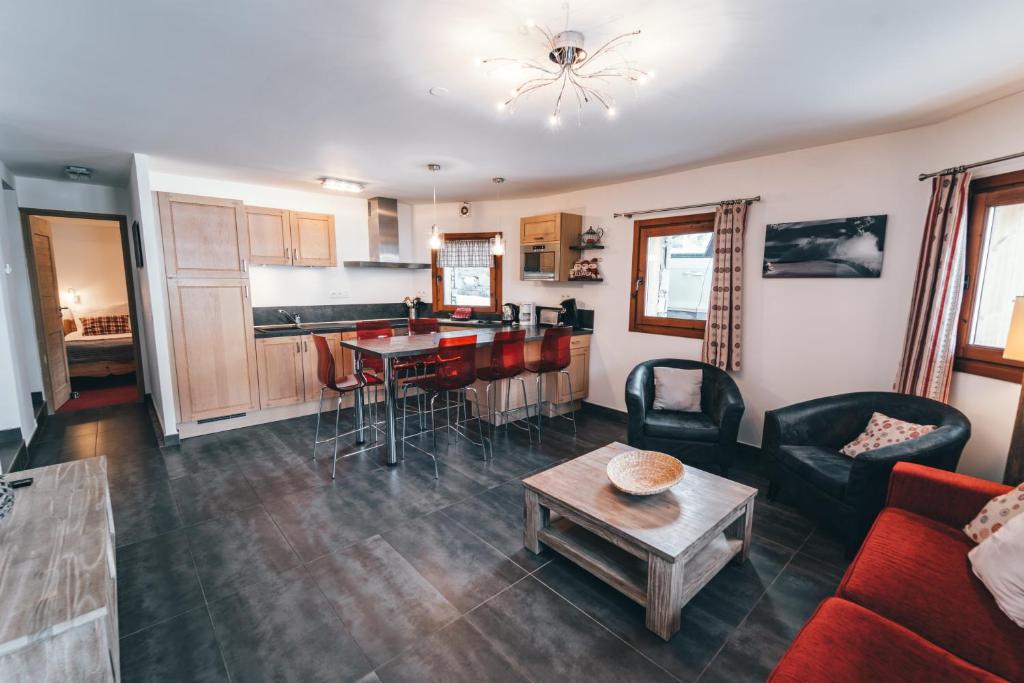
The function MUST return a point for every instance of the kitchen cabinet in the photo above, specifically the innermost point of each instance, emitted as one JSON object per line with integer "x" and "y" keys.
{"x": 270, "y": 236}
{"x": 552, "y": 227}
{"x": 214, "y": 347}
{"x": 281, "y": 368}
{"x": 203, "y": 236}
{"x": 313, "y": 239}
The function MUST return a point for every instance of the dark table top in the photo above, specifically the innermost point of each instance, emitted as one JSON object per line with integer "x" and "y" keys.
{"x": 398, "y": 347}
{"x": 263, "y": 331}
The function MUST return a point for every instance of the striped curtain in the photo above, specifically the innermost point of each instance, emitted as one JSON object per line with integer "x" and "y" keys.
{"x": 465, "y": 254}
{"x": 723, "y": 332}
{"x": 926, "y": 368}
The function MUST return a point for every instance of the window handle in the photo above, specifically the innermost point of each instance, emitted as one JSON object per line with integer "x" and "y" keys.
{"x": 639, "y": 282}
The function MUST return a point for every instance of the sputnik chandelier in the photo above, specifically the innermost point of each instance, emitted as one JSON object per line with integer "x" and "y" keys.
{"x": 574, "y": 73}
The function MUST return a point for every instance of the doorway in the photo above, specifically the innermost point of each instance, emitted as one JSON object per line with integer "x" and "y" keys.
{"x": 83, "y": 293}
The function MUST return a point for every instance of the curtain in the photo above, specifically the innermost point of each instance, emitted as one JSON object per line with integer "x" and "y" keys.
{"x": 926, "y": 368}
{"x": 465, "y": 254}
{"x": 723, "y": 332}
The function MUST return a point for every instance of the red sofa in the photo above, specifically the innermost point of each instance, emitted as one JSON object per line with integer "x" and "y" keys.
{"x": 909, "y": 608}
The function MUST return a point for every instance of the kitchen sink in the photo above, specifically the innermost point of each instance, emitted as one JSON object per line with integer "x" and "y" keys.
{"x": 274, "y": 328}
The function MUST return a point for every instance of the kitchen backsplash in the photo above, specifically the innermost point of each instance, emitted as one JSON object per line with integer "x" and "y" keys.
{"x": 268, "y": 315}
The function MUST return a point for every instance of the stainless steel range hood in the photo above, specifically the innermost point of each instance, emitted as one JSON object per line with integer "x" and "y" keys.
{"x": 384, "y": 238}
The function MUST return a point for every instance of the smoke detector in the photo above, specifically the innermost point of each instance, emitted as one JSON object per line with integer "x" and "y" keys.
{"x": 78, "y": 172}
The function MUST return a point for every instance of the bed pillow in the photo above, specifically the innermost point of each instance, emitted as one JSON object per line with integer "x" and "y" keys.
{"x": 677, "y": 389}
{"x": 79, "y": 312}
{"x": 883, "y": 430}
{"x": 105, "y": 324}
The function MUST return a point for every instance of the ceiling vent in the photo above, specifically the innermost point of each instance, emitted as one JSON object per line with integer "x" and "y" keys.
{"x": 78, "y": 172}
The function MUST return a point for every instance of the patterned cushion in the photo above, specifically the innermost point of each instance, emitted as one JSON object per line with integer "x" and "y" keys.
{"x": 996, "y": 513}
{"x": 883, "y": 430}
{"x": 105, "y": 324}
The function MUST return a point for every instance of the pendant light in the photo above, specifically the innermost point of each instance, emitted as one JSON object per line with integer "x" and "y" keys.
{"x": 435, "y": 232}
{"x": 497, "y": 243}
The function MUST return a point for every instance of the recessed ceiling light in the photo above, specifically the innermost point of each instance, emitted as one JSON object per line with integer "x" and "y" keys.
{"x": 78, "y": 172}
{"x": 341, "y": 185}
{"x": 438, "y": 91}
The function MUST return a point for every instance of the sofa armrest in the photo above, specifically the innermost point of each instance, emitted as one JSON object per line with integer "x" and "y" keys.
{"x": 947, "y": 497}
{"x": 637, "y": 401}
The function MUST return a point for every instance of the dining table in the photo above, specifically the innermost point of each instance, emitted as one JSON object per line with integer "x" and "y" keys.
{"x": 390, "y": 349}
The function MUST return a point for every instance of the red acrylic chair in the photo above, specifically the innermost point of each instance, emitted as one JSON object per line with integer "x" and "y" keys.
{"x": 507, "y": 363}
{"x": 454, "y": 371}
{"x": 555, "y": 357}
{"x": 330, "y": 380}
{"x": 424, "y": 325}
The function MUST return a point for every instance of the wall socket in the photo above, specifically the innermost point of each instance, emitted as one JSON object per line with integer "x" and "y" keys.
{"x": 339, "y": 294}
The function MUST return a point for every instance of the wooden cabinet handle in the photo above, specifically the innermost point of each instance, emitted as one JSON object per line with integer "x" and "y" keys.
{"x": 244, "y": 267}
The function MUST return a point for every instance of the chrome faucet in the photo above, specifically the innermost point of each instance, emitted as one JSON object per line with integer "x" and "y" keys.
{"x": 291, "y": 316}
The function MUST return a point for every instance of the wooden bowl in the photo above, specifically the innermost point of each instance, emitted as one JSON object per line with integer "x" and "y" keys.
{"x": 644, "y": 473}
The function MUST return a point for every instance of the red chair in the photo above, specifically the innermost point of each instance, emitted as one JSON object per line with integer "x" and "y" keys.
{"x": 507, "y": 362}
{"x": 424, "y": 325}
{"x": 555, "y": 357}
{"x": 454, "y": 371}
{"x": 330, "y": 380}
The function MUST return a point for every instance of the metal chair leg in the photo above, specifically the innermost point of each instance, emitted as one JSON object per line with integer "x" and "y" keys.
{"x": 433, "y": 427}
{"x": 572, "y": 413}
{"x": 479, "y": 423}
{"x": 526, "y": 406}
{"x": 319, "y": 409}
{"x": 337, "y": 416}
{"x": 540, "y": 401}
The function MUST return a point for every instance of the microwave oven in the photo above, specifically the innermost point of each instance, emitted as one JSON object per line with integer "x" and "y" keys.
{"x": 540, "y": 261}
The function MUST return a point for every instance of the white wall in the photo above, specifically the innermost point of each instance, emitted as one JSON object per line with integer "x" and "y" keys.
{"x": 151, "y": 293}
{"x": 803, "y": 339}
{"x": 70, "y": 195}
{"x": 287, "y": 285}
{"x": 89, "y": 260}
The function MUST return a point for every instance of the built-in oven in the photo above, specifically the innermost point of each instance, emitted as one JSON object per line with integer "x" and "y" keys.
{"x": 540, "y": 261}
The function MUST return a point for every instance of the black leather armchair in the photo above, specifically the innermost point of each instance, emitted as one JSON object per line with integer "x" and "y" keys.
{"x": 707, "y": 437}
{"x": 801, "y": 445}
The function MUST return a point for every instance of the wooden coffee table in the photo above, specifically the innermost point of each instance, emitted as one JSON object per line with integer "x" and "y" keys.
{"x": 657, "y": 550}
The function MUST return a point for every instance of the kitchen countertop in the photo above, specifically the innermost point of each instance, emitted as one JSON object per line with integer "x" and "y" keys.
{"x": 350, "y": 326}
{"x": 399, "y": 347}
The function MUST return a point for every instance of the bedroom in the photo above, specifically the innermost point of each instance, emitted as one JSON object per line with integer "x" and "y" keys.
{"x": 88, "y": 262}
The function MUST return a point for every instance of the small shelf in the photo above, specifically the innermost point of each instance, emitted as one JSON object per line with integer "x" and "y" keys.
{"x": 585, "y": 247}
{"x": 586, "y": 279}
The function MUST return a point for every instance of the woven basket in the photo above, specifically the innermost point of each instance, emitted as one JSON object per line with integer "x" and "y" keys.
{"x": 644, "y": 473}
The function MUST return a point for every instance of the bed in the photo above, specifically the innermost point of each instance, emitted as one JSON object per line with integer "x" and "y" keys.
{"x": 99, "y": 355}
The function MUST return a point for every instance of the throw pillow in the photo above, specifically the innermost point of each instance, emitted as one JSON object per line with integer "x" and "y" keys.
{"x": 677, "y": 389}
{"x": 883, "y": 430}
{"x": 105, "y": 324}
{"x": 996, "y": 513}
{"x": 999, "y": 564}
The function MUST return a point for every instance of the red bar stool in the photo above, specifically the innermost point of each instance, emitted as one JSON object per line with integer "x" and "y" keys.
{"x": 554, "y": 357}
{"x": 454, "y": 371}
{"x": 424, "y": 325}
{"x": 507, "y": 362}
{"x": 330, "y": 380}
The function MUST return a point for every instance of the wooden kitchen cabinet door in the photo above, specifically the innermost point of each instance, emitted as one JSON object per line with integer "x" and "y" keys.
{"x": 281, "y": 368}
{"x": 203, "y": 236}
{"x": 214, "y": 347}
{"x": 270, "y": 236}
{"x": 539, "y": 229}
{"x": 313, "y": 239}
{"x": 310, "y": 361}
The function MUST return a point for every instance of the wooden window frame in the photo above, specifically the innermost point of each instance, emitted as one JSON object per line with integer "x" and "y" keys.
{"x": 657, "y": 227}
{"x": 987, "y": 361}
{"x": 437, "y": 274}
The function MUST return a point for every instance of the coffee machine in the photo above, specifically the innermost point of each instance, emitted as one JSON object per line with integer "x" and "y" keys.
{"x": 569, "y": 315}
{"x": 510, "y": 314}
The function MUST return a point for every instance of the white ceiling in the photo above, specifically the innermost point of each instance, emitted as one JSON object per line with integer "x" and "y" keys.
{"x": 283, "y": 92}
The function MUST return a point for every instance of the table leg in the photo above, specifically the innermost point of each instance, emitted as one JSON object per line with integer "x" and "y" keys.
{"x": 360, "y": 426}
{"x": 664, "y": 596}
{"x": 743, "y": 529}
{"x": 535, "y": 518}
{"x": 389, "y": 408}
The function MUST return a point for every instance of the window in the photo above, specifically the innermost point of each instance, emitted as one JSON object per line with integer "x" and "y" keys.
{"x": 673, "y": 268}
{"x": 995, "y": 250}
{"x": 472, "y": 284}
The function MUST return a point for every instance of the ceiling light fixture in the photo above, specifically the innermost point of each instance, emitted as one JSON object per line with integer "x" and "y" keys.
{"x": 497, "y": 243}
{"x": 576, "y": 73}
{"x": 341, "y": 185}
{"x": 78, "y": 172}
{"x": 436, "y": 237}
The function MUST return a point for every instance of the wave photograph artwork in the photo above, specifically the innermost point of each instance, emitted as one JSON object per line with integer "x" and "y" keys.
{"x": 838, "y": 247}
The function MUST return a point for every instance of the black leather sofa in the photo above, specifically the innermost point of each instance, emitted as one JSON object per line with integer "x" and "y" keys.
{"x": 707, "y": 437}
{"x": 802, "y": 442}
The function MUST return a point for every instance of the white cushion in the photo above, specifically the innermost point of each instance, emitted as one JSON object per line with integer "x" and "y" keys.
{"x": 677, "y": 389}
{"x": 883, "y": 430}
{"x": 999, "y": 564}
{"x": 995, "y": 514}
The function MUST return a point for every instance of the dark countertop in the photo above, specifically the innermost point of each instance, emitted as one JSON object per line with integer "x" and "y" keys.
{"x": 398, "y": 347}
{"x": 350, "y": 326}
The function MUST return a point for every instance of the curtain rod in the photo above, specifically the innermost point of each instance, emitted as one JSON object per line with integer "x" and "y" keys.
{"x": 630, "y": 214}
{"x": 961, "y": 169}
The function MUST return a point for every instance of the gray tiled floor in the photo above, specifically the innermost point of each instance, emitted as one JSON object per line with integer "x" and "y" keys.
{"x": 240, "y": 559}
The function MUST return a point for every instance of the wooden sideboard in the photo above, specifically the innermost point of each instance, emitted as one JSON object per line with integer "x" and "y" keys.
{"x": 58, "y": 613}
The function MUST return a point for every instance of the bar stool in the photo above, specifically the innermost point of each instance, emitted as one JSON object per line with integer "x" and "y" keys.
{"x": 424, "y": 325}
{"x": 327, "y": 375}
{"x": 454, "y": 371}
{"x": 507, "y": 362}
{"x": 378, "y": 329}
{"x": 554, "y": 357}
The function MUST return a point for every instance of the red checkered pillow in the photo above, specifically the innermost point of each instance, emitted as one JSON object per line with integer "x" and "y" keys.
{"x": 105, "y": 324}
